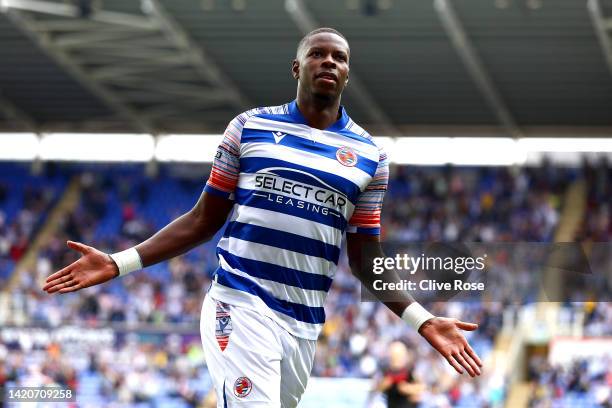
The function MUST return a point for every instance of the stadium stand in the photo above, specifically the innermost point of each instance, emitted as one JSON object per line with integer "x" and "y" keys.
{"x": 25, "y": 200}
{"x": 146, "y": 349}
{"x": 583, "y": 381}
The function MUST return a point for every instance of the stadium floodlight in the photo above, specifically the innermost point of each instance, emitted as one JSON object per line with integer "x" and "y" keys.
{"x": 111, "y": 147}
{"x": 433, "y": 151}
{"x": 566, "y": 145}
{"x": 463, "y": 151}
{"x": 187, "y": 148}
{"x": 201, "y": 148}
{"x": 18, "y": 146}
{"x": 485, "y": 151}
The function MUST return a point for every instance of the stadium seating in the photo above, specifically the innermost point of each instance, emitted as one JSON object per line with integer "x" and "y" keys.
{"x": 121, "y": 205}
{"x": 24, "y": 202}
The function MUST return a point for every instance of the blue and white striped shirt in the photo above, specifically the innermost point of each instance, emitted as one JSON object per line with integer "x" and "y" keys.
{"x": 297, "y": 190}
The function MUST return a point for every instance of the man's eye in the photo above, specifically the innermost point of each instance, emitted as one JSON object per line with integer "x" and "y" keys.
{"x": 315, "y": 53}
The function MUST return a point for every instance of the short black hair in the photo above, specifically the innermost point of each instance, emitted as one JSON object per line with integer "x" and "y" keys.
{"x": 318, "y": 31}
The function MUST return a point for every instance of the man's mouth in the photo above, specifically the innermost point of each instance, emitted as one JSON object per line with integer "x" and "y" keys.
{"x": 328, "y": 76}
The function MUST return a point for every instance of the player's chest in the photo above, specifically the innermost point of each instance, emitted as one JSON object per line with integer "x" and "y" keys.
{"x": 338, "y": 165}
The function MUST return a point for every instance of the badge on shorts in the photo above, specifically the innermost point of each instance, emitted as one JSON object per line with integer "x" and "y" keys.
{"x": 243, "y": 387}
{"x": 223, "y": 326}
{"x": 346, "y": 156}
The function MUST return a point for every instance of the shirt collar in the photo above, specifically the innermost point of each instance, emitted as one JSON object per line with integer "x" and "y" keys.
{"x": 337, "y": 126}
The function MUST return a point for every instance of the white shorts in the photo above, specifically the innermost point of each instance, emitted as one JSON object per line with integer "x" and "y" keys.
{"x": 252, "y": 360}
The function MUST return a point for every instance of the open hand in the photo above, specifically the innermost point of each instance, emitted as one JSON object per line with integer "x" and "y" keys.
{"x": 93, "y": 268}
{"x": 444, "y": 335}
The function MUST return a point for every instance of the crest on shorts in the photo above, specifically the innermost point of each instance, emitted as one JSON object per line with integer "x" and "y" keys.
{"x": 346, "y": 156}
{"x": 243, "y": 387}
{"x": 223, "y": 325}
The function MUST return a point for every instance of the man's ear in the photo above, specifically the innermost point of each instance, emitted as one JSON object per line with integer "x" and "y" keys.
{"x": 295, "y": 69}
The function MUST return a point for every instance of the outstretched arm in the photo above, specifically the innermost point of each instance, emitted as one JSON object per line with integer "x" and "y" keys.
{"x": 444, "y": 334}
{"x": 189, "y": 230}
{"x": 193, "y": 228}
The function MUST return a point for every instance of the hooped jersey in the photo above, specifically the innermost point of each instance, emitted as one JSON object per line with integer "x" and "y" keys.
{"x": 296, "y": 190}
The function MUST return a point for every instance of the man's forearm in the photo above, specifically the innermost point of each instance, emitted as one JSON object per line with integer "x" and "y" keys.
{"x": 415, "y": 315}
{"x": 361, "y": 254}
{"x": 363, "y": 271}
{"x": 174, "y": 239}
{"x": 189, "y": 230}
{"x": 362, "y": 250}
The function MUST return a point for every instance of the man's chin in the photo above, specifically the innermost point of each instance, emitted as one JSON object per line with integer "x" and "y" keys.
{"x": 326, "y": 95}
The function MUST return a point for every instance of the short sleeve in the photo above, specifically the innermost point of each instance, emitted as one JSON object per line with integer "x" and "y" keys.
{"x": 366, "y": 216}
{"x": 226, "y": 164}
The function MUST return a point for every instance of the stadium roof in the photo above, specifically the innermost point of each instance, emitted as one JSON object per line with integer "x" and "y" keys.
{"x": 454, "y": 67}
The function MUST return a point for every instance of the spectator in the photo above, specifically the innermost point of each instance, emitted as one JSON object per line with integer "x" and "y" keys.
{"x": 398, "y": 382}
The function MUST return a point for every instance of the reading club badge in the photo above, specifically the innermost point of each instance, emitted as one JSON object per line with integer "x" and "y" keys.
{"x": 243, "y": 387}
{"x": 346, "y": 156}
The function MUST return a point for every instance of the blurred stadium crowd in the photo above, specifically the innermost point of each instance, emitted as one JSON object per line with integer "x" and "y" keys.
{"x": 582, "y": 383}
{"x": 153, "y": 355}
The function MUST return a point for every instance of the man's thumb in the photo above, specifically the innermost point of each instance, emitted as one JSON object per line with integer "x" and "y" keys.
{"x": 467, "y": 326}
{"x": 77, "y": 246}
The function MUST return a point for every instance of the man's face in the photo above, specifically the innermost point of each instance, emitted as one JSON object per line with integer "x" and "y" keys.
{"x": 322, "y": 65}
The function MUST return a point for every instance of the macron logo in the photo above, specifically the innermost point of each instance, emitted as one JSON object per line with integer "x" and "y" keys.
{"x": 278, "y": 136}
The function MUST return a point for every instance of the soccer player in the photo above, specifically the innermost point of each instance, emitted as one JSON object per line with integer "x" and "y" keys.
{"x": 297, "y": 176}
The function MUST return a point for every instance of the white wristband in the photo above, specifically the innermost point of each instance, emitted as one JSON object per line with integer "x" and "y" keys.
{"x": 127, "y": 261}
{"x": 415, "y": 315}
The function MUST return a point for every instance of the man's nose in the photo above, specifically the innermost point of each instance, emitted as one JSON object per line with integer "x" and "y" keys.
{"x": 329, "y": 60}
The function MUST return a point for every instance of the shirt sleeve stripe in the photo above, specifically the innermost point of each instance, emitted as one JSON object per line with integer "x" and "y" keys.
{"x": 366, "y": 216}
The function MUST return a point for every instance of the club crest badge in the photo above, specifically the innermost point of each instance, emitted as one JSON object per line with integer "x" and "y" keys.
{"x": 346, "y": 156}
{"x": 243, "y": 387}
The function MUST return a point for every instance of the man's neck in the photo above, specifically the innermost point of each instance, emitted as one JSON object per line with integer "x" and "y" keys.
{"x": 319, "y": 113}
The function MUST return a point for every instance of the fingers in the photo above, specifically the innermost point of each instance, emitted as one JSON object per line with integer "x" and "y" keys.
{"x": 471, "y": 362}
{"x": 59, "y": 274}
{"x": 459, "y": 358}
{"x": 58, "y": 283}
{"x": 472, "y": 354}
{"x": 468, "y": 353}
{"x": 62, "y": 277}
{"x": 466, "y": 326}
{"x": 453, "y": 363}
{"x": 74, "y": 287}
{"x": 77, "y": 246}
{"x": 65, "y": 287}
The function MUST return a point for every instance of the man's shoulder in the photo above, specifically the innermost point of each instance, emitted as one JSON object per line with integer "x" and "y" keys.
{"x": 357, "y": 130}
{"x": 263, "y": 111}
{"x": 362, "y": 135}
